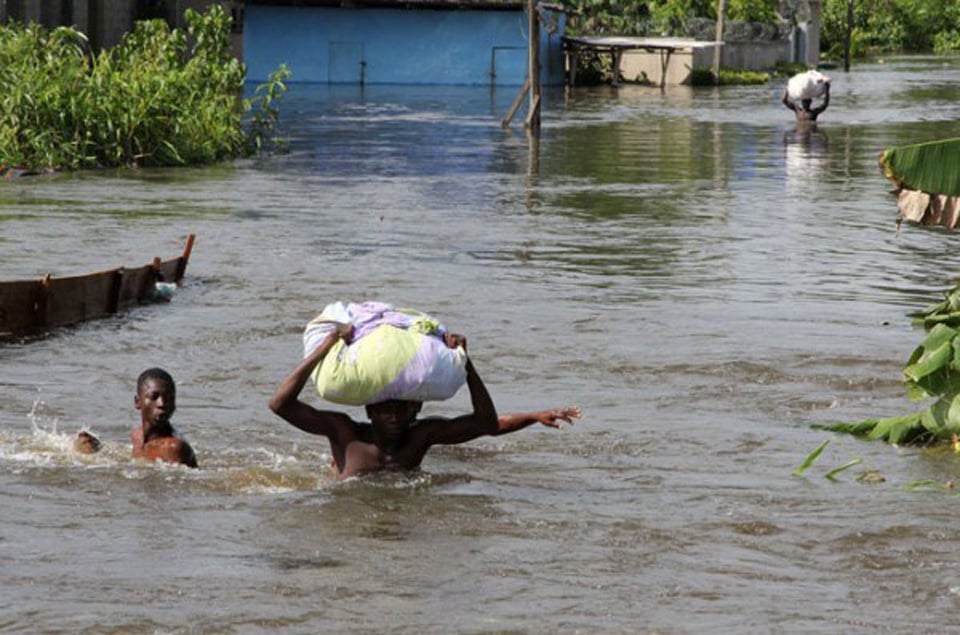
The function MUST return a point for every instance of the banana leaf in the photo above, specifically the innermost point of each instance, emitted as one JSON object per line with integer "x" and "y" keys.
{"x": 903, "y": 429}
{"x": 945, "y": 312}
{"x": 939, "y": 422}
{"x": 927, "y": 180}
{"x": 932, "y": 167}
{"x": 934, "y": 368}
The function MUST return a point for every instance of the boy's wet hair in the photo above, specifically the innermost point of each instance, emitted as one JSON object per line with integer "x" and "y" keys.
{"x": 156, "y": 374}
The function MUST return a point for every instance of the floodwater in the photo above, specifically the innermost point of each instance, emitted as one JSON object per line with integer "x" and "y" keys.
{"x": 702, "y": 280}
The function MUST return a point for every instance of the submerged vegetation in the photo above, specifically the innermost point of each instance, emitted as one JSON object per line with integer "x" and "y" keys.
{"x": 932, "y": 371}
{"x": 161, "y": 97}
{"x": 928, "y": 173}
{"x": 728, "y": 76}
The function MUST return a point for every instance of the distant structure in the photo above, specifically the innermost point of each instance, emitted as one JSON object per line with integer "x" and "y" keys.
{"x": 440, "y": 42}
{"x": 468, "y": 42}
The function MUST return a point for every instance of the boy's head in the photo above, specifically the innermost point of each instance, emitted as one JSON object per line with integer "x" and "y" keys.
{"x": 806, "y": 103}
{"x": 156, "y": 374}
{"x": 392, "y": 418}
{"x": 156, "y": 397}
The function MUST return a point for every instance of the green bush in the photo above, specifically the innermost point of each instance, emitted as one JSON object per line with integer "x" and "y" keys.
{"x": 728, "y": 77}
{"x": 153, "y": 100}
{"x": 946, "y": 42}
{"x": 890, "y": 25}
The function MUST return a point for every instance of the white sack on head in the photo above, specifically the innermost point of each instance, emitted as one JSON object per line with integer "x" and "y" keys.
{"x": 809, "y": 85}
{"x": 394, "y": 354}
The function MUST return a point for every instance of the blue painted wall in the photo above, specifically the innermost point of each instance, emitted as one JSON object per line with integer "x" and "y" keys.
{"x": 396, "y": 46}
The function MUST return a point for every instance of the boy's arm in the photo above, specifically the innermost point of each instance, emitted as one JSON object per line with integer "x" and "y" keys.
{"x": 286, "y": 404}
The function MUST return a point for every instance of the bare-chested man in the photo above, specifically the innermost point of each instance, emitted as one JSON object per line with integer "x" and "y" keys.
{"x": 396, "y": 440}
{"x": 805, "y": 112}
{"x": 155, "y": 439}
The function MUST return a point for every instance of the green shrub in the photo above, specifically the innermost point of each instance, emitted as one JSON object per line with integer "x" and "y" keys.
{"x": 728, "y": 77}
{"x": 153, "y": 100}
{"x": 946, "y": 42}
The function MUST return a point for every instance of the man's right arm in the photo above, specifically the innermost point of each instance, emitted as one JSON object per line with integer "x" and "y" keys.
{"x": 481, "y": 422}
{"x": 826, "y": 101}
{"x": 286, "y": 403}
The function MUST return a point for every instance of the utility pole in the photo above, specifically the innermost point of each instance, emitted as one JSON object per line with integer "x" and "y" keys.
{"x": 533, "y": 70}
{"x": 718, "y": 40}
{"x": 848, "y": 40}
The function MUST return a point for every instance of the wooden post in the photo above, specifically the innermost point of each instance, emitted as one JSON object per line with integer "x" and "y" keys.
{"x": 533, "y": 68}
{"x": 184, "y": 259}
{"x": 718, "y": 39}
{"x": 516, "y": 103}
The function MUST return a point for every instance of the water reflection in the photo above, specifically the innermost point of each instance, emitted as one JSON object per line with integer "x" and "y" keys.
{"x": 807, "y": 159}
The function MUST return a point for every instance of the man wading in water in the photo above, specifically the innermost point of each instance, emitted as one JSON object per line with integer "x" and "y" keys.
{"x": 397, "y": 440}
{"x": 805, "y": 112}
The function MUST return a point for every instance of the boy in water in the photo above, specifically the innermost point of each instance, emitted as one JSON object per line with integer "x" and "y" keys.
{"x": 397, "y": 440}
{"x": 155, "y": 439}
{"x": 805, "y": 112}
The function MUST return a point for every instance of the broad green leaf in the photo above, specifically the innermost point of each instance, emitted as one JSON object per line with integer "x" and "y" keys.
{"x": 932, "y": 167}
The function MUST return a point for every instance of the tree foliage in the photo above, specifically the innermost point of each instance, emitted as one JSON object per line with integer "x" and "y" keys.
{"x": 660, "y": 17}
{"x": 891, "y": 25}
{"x": 879, "y": 25}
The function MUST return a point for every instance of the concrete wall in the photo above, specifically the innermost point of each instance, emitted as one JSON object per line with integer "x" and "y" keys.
{"x": 395, "y": 46}
{"x": 762, "y": 55}
{"x": 638, "y": 66}
{"x": 756, "y": 56}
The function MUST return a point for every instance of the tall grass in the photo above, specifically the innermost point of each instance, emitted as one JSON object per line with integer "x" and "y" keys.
{"x": 161, "y": 97}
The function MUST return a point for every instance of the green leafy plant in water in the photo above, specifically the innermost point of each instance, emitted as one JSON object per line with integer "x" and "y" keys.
{"x": 931, "y": 371}
{"x": 870, "y": 476}
{"x": 728, "y": 77}
{"x": 811, "y": 458}
{"x": 266, "y": 114}
{"x": 832, "y": 474}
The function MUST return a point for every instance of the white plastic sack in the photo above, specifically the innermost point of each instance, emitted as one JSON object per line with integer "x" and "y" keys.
{"x": 395, "y": 354}
{"x": 809, "y": 85}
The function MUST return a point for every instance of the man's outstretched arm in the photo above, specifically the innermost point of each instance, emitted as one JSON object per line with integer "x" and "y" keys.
{"x": 552, "y": 418}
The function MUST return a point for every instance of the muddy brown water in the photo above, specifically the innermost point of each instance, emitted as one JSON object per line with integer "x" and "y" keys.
{"x": 705, "y": 282}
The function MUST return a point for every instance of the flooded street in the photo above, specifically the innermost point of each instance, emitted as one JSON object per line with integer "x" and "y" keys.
{"x": 704, "y": 281}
